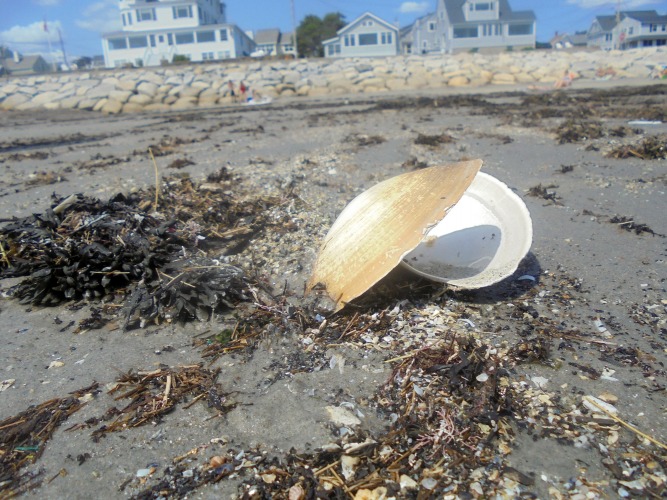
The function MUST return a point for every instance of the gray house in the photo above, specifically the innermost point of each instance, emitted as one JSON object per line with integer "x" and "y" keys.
{"x": 366, "y": 36}
{"x": 421, "y": 37}
{"x": 484, "y": 25}
{"x": 600, "y": 33}
{"x": 628, "y": 30}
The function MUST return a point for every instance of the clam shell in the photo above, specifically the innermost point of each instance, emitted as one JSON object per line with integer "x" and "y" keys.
{"x": 384, "y": 223}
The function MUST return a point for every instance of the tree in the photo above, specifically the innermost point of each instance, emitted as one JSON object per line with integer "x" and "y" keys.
{"x": 313, "y": 30}
{"x": 83, "y": 62}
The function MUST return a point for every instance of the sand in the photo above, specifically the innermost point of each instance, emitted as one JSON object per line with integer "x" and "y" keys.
{"x": 309, "y": 144}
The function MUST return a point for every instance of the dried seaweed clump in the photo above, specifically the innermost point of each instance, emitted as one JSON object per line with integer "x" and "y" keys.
{"x": 154, "y": 394}
{"x": 579, "y": 130}
{"x": 433, "y": 140}
{"x": 653, "y": 147}
{"x": 24, "y": 436}
{"x": 86, "y": 248}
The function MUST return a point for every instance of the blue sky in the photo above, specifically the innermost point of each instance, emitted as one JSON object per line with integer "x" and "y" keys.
{"x": 80, "y": 22}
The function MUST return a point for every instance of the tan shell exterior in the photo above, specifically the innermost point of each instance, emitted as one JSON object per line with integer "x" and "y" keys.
{"x": 382, "y": 224}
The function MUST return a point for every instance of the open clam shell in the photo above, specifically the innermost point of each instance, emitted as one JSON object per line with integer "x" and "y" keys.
{"x": 383, "y": 224}
{"x": 480, "y": 242}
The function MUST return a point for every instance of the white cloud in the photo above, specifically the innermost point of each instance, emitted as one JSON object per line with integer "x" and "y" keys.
{"x": 100, "y": 17}
{"x": 413, "y": 7}
{"x": 32, "y": 38}
{"x": 625, "y": 5}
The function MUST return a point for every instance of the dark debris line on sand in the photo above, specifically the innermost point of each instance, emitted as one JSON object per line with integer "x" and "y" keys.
{"x": 23, "y": 438}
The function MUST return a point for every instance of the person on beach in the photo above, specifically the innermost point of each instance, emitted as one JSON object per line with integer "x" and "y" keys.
{"x": 565, "y": 80}
{"x": 243, "y": 91}
{"x": 232, "y": 92}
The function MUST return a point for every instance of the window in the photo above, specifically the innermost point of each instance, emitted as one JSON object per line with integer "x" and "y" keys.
{"x": 152, "y": 40}
{"x": 661, "y": 43}
{"x": 350, "y": 41}
{"x": 465, "y": 32}
{"x": 431, "y": 26}
{"x": 630, "y": 30}
{"x": 183, "y": 38}
{"x": 208, "y": 56}
{"x": 123, "y": 17}
{"x": 138, "y": 42}
{"x": 647, "y": 43}
{"x": 607, "y": 37}
{"x": 368, "y": 39}
{"x": 180, "y": 12}
{"x": 223, "y": 35}
{"x": 367, "y": 23}
{"x": 654, "y": 28}
{"x": 386, "y": 38}
{"x": 330, "y": 49}
{"x": 225, "y": 54}
{"x": 484, "y": 6}
{"x": 129, "y": 18}
{"x": 145, "y": 15}
{"x": 160, "y": 38}
{"x": 117, "y": 43}
{"x": 205, "y": 36}
{"x": 520, "y": 29}
{"x": 170, "y": 39}
{"x": 490, "y": 29}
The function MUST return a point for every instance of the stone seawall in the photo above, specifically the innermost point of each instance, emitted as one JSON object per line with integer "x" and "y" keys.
{"x": 182, "y": 87}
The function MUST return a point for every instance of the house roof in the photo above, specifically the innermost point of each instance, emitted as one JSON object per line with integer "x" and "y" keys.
{"x": 268, "y": 36}
{"x": 645, "y": 16}
{"x": 456, "y": 16}
{"x": 287, "y": 38}
{"x": 607, "y": 23}
{"x": 26, "y": 63}
{"x": 349, "y": 26}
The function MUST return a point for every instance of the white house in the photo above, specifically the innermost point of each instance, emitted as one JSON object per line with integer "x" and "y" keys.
{"x": 366, "y": 36}
{"x": 465, "y": 25}
{"x": 160, "y": 30}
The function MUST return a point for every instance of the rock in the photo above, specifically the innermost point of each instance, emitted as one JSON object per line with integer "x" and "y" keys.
{"x": 45, "y": 97}
{"x": 132, "y": 107}
{"x": 12, "y": 101}
{"x": 503, "y": 79}
{"x": 91, "y": 104}
{"x": 208, "y": 100}
{"x": 52, "y": 105}
{"x": 70, "y": 102}
{"x": 147, "y": 88}
{"x": 190, "y": 92}
{"x": 100, "y": 91}
{"x": 126, "y": 85}
{"x": 184, "y": 103}
{"x": 120, "y": 95}
{"x": 458, "y": 81}
{"x": 112, "y": 106}
{"x": 141, "y": 99}
{"x": 157, "y": 107}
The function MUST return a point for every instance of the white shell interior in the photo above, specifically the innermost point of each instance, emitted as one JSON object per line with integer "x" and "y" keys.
{"x": 480, "y": 242}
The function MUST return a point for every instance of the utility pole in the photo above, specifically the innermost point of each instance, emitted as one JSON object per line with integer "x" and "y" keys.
{"x": 62, "y": 47}
{"x": 294, "y": 41}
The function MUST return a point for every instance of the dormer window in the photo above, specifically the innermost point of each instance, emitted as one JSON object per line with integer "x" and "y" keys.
{"x": 482, "y": 6}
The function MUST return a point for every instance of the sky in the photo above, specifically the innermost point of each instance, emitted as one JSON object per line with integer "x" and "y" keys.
{"x": 80, "y": 22}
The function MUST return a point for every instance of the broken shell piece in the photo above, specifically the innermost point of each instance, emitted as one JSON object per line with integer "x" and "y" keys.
{"x": 480, "y": 242}
{"x": 381, "y": 225}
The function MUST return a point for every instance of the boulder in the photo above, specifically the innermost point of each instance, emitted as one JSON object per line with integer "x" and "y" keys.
{"x": 112, "y": 106}
{"x": 90, "y": 104}
{"x": 120, "y": 95}
{"x": 70, "y": 102}
{"x": 140, "y": 99}
{"x": 147, "y": 88}
{"x": 132, "y": 107}
{"x": 458, "y": 81}
{"x": 100, "y": 91}
{"x": 503, "y": 79}
{"x": 14, "y": 100}
{"x": 184, "y": 103}
{"x": 157, "y": 107}
{"x": 45, "y": 97}
{"x": 128, "y": 85}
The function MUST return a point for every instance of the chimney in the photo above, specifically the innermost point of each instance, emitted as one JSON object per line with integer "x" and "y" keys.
{"x": 17, "y": 57}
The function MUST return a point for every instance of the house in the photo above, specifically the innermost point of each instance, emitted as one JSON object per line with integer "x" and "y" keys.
{"x": 157, "y": 31}
{"x": 636, "y": 30}
{"x": 271, "y": 42}
{"x": 366, "y": 36}
{"x": 566, "y": 41}
{"x": 600, "y": 33}
{"x": 484, "y": 25}
{"x": 628, "y": 30}
{"x": 421, "y": 37}
{"x": 19, "y": 65}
